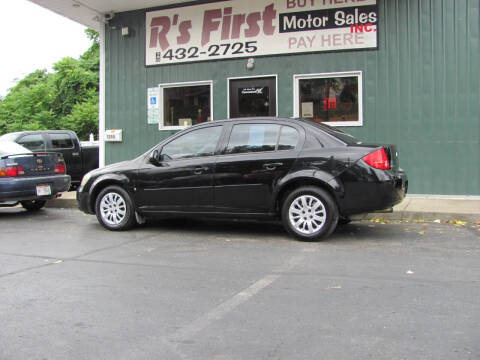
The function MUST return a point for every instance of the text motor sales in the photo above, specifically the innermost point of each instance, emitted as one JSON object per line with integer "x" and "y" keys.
{"x": 240, "y": 28}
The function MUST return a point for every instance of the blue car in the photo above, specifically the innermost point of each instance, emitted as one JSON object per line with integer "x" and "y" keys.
{"x": 30, "y": 178}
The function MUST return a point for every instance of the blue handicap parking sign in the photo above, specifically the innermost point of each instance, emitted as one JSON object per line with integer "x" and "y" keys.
{"x": 153, "y": 100}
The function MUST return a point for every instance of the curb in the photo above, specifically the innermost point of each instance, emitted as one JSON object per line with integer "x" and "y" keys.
{"x": 419, "y": 215}
{"x": 62, "y": 203}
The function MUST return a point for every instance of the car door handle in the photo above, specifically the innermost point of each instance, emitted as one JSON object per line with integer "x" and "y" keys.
{"x": 272, "y": 166}
{"x": 200, "y": 170}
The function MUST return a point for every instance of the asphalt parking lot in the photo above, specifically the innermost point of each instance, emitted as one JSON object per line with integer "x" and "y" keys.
{"x": 227, "y": 291}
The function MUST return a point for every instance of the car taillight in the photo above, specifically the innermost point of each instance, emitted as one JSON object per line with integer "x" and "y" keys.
{"x": 12, "y": 171}
{"x": 378, "y": 159}
{"x": 59, "y": 169}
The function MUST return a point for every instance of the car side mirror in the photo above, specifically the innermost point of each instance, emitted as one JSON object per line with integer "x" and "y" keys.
{"x": 154, "y": 157}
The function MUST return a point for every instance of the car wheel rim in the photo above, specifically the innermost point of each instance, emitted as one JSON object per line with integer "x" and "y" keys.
{"x": 307, "y": 214}
{"x": 113, "y": 208}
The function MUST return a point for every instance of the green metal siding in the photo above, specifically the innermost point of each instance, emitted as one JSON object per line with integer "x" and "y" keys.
{"x": 420, "y": 91}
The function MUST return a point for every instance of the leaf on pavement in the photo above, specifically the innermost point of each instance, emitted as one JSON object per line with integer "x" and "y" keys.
{"x": 457, "y": 222}
{"x": 335, "y": 287}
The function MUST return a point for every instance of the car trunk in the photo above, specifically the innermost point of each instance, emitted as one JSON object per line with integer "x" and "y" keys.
{"x": 35, "y": 164}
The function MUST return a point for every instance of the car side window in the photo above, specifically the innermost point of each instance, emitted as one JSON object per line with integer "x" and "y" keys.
{"x": 253, "y": 138}
{"x": 33, "y": 142}
{"x": 288, "y": 138}
{"x": 61, "y": 141}
{"x": 196, "y": 143}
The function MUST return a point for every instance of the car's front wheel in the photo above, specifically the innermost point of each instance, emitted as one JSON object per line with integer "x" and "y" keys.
{"x": 309, "y": 213}
{"x": 33, "y": 205}
{"x": 114, "y": 209}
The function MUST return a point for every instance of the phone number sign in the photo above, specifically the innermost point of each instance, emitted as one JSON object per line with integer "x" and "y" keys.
{"x": 246, "y": 28}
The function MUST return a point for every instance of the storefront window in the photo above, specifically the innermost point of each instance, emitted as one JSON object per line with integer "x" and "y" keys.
{"x": 334, "y": 99}
{"x": 186, "y": 105}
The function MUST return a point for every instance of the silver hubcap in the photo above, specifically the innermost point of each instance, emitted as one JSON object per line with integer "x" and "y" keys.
{"x": 307, "y": 214}
{"x": 113, "y": 208}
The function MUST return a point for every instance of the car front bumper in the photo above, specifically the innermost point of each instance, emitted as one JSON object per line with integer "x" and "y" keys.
{"x": 25, "y": 188}
{"x": 83, "y": 200}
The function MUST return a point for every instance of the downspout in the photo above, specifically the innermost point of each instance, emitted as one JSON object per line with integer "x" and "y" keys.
{"x": 101, "y": 107}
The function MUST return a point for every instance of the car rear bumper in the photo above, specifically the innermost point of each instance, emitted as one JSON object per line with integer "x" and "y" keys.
{"x": 25, "y": 188}
{"x": 380, "y": 190}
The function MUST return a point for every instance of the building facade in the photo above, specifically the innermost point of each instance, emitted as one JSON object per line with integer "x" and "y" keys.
{"x": 387, "y": 71}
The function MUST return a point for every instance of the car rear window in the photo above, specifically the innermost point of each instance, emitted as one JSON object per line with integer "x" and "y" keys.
{"x": 61, "y": 141}
{"x": 335, "y": 132}
{"x": 33, "y": 142}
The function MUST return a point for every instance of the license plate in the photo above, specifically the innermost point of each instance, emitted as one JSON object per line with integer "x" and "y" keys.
{"x": 44, "y": 190}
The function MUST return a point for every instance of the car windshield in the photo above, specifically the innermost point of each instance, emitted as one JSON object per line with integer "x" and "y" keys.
{"x": 11, "y": 148}
{"x": 335, "y": 132}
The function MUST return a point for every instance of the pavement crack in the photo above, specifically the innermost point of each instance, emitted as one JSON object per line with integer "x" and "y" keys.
{"x": 59, "y": 260}
{"x": 25, "y": 270}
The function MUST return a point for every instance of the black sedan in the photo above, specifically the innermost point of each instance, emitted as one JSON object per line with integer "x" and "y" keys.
{"x": 310, "y": 176}
{"x": 30, "y": 178}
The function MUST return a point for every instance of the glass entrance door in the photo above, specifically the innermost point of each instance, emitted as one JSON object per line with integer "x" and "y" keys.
{"x": 253, "y": 97}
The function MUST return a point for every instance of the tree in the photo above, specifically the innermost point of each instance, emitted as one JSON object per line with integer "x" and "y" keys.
{"x": 83, "y": 118}
{"x": 64, "y": 99}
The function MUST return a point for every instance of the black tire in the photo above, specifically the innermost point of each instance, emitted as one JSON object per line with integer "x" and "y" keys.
{"x": 315, "y": 221}
{"x": 114, "y": 209}
{"x": 33, "y": 205}
{"x": 343, "y": 221}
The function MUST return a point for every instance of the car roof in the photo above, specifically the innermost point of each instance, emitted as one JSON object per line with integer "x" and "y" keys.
{"x": 332, "y": 132}
{"x": 249, "y": 119}
{"x": 18, "y": 133}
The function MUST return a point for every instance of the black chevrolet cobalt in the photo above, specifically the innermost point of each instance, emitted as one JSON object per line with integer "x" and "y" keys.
{"x": 310, "y": 176}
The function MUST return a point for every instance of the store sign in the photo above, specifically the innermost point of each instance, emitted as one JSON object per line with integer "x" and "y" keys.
{"x": 153, "y": 109}
{"x": 252, "y": 90}
{"x": 246, "y": 28}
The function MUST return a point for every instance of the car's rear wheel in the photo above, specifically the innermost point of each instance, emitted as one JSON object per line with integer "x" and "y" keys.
{"x": 33, "y": 205}
{"x": 309, "y": 213}
{"x": 114, "y": 209}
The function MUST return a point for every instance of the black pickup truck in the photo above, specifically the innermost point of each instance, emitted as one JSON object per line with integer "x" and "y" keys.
{"x": 79, "y": 159}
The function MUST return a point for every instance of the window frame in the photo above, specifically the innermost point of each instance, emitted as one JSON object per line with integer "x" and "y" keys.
{"x": 229, "y": 131}
{"x": 33, "y": 134}
{"x": 162, "y": 87}
{"x": 252, "y": 152}
{"x": 50, "y": 135}
{"x": 280, "y": 135}
{"x": 296, "y": 94}
{"x": 160, "y": 147}
{"x": 229, "y": 79}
